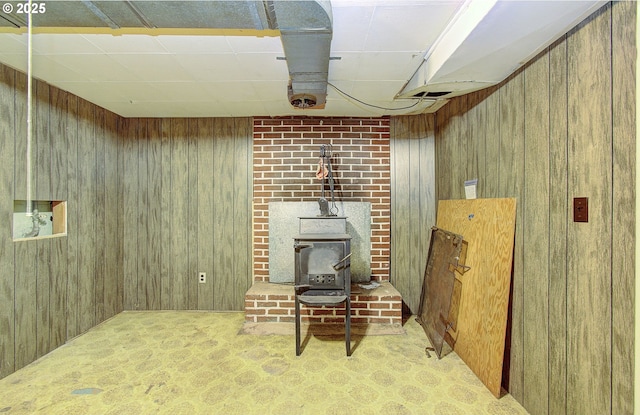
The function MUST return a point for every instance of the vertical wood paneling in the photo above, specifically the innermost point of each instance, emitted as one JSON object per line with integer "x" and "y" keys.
{"x": 59, "y": 151}
{"x": 241, "y": 218}
{"x": 205, "y": 210}
{"x": 589, "y": 254}
{"x": 154, "y": 214}
{"x": 476, "y": 135}
{"x": 417, "y": 254}
{"x": 20, "y": 137}
{"x": 180, "y": 212}
{"x": 129, "y": 131}
{"x": 192, "y": 194}
{"x": 166, "y": 221}
{"x": 192, "y": 225}
{"x": 42, "y": 191}
{"x": 52, "y": 289}
{"x": 443, "y": 142}
{"x": 427, "y": 197}
{"x": 400, "y": 207}
{"x": 624, "y": 71}
{"x": 535, "y": 215}
{"x": 74, "y": 245}
{"x": 100, "y": 213}
{"x": 7, "y": 281}
{"x": 141, "y": 215}
{"x": 25, "y": 255}
{"x": 558, "y": 203}
{"x": 413, "y": 203}
{"x": 41, "y": 155}
{"x": 223, "y": 197}
{"x": 86, "y": 214}
{"x": 489, "y": 184}
{"x": 107, "y": 191}
{"x": 43, "y": 293}
{"x": 511, "y": 184}
{"x": 456, "y": 127}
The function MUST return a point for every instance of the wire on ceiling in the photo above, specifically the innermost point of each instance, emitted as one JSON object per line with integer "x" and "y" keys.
{"x": 372, "y": 105}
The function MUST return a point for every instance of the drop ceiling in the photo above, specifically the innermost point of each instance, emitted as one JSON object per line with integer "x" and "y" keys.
{"x": 386, "y": 57}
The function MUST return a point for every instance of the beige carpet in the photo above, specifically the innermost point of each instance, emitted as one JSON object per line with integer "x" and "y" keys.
{"x": 201, "y": 363}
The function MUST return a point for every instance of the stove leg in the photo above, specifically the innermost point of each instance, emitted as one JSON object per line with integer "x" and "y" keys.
{"x": 298, "y": 322}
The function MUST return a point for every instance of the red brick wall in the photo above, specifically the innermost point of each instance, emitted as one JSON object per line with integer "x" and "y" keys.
{"x": 286, "y": 151}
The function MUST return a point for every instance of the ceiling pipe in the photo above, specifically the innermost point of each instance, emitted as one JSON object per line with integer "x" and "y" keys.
{"x": 306, "y": 30}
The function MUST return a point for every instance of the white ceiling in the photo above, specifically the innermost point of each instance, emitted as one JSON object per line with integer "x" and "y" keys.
{"x": 378, "y": 49}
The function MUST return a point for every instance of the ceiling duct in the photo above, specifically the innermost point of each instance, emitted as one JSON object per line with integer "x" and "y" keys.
{"x": 306, "y": 31}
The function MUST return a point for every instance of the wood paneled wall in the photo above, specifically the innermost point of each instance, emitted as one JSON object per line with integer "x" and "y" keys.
{"x": 186, "y": 208}
{"x": 562, "y": 127}
{"x": 51, "y": 290}
{"x": 150, "y": 203}
{"x": 413, "y": 203}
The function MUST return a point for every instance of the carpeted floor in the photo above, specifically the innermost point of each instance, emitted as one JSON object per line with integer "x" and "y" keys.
{"x": 201, "y": 363}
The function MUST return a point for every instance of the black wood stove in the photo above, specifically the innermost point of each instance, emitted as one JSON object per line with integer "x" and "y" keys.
{"x": 322, "y": 268}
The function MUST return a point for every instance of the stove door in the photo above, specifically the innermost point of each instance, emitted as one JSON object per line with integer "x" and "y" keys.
{"x": 315, "y": 261}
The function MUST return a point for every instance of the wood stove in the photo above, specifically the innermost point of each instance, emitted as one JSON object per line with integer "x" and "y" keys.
{"x": 322, "y": 268}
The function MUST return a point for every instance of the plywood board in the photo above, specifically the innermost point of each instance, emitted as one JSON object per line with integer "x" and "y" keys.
{"x": 488, "y": 226}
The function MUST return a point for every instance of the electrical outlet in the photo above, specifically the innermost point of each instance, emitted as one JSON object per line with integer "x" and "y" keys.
{"x": 202, "y": 277}
{"x": 581, "y": 209}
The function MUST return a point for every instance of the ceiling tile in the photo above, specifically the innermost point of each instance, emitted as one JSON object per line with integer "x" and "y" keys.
{"x": 98, "y": 68}
{"x": 12, "y": 43}
{"x": 253, "y": 44}
{"x": 181, "y": 45}
{"x": 387, "y": 65}
{"x": 212, "y": 67}
{"x": 411, "y": 27}
{"x": 263, "y": 67}
{"x": 163, "y": 67}
{"x": 61, "y": 43}
{"x": 351, "y": 25}
{"x": 141, "y": 44}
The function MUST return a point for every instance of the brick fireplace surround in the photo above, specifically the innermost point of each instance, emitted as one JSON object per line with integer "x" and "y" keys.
{"x": 285, "y": 159}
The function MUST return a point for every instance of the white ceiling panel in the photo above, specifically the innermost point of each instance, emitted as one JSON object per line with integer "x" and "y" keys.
{"x": 214, "y": 67}
{"x": 411, "y": 27}
{"x": 154, "y": 67}
{"x": 262, "y": 66}
{"x": 190, "y": 44}
{"x": 61, "y": 44}
{"x": 122, "y": 44}
{"x": 46, "y": 67}
{"x": 253, "y": 44}
{"x": 95, "y": 67}
{"x": 387, "y": 65}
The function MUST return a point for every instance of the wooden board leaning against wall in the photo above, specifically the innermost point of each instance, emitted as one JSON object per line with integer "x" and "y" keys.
{"x": 488, "y": 226}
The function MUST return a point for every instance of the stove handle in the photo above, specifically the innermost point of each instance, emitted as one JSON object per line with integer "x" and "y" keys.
{"x": 335, "y": 266}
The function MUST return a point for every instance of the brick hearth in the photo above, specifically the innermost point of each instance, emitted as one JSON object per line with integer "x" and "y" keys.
{"x": 274, "y": 303}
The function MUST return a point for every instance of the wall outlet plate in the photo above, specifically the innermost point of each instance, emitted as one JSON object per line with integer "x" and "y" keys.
{"x": 581, "y": 209}
{"x": 202, "y": 277}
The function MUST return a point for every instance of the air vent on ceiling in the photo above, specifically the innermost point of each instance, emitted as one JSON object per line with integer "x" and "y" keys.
{"x": 425, "y": 94}
{"x": 303, "y": 101}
